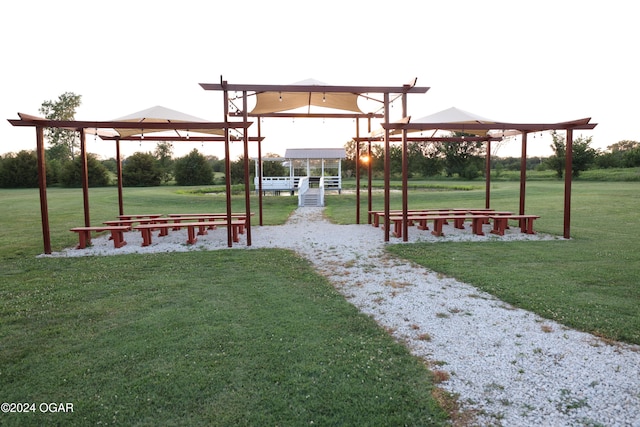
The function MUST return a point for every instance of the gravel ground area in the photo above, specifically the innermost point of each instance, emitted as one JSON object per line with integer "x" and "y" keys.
{"x": 509, "y": 366}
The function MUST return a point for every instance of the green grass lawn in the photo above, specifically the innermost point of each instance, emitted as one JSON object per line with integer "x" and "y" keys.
{"x": 589, "y": 282}
{"x": 230, "y": 337}
{"x": 233, "y": 338}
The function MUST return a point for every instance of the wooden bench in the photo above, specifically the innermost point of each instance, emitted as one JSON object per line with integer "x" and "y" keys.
{"x": 139, "y": 216}
{"x": 130, "y": 221}
{"x": 380, "y": 214}
{"x": 117, "y": 234}
{"x": 438, "y": 221}
{"x": 501, "y": 223}
{"x": 176, "y": 218}
{"x": 147, "y": 229}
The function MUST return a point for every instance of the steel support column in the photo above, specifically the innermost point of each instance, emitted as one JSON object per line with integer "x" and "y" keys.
{"x": 42, "y": 184}
{"x": 487, "y": 190}
{"x": 357, "y": 159}
{"x": 85, "y": 178}
{"x": 247, "y": 189}
{"x": 387, "y": 167}
{"x": 523, "y": 173}
{"x": 119, "y": 177}
{"x": 568, "y": 177}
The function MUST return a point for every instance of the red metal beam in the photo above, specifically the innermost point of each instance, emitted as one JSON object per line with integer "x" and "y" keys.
{"x": 259, "y": 88}
{"x": 498, "y": 126}
{"x": 313, "y": 115}
{"x": 81, "y": 124}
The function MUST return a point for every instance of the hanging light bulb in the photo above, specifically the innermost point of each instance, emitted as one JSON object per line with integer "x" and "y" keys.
{"x": 187, "y": 133}
{"x": 324, "y": 98}
{"x": 142, "y": 134}
{"x": 280, "y": 96}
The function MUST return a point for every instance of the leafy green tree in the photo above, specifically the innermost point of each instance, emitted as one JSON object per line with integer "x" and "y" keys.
{"x": 237, "y": 170}
{"x": 463, "y": 158}
{"x": 71, "y": 174}
{"x": 216, "y": 163}
{"x": 141, "y": 170}
{"x": 63, "y": 142}
{"x": 424, "y": 159}
{"x": 19, "y": 170}
{"x": 164, "y": 154}
{"x": 631, "y": 158}
{"x": 111, "y": 164}
{"x": 624, "y": 145}
{"x": 274, "y": 168}
{"x": 193, "y": 169}
{"x": 583, "y": 156}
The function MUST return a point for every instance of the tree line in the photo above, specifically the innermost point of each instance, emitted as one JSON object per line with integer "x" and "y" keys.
{"x": 464, "y": 159}
{"x": 467, "y": 159}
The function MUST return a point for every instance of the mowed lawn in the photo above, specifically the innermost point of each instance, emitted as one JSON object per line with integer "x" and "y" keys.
{"x": 238, "y": 337}
{"x": 590, "y": 282}
{"x": 231, "y": 337}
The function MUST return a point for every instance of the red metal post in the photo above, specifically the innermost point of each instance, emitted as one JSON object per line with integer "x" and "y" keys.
{"x": 405, "y": 176}
{"x": 227, "y": 164}
{"x": 119, "y": 173}
{"x": 369, "y": 170}
{"x": 85, "y": 178}
{"x": 357, "y": 159}
{"x": 523, "y": 173}
{"x": 387, "y": 166}
{"x": 247, "y": 186}
{"x": 260, "y": 171}
{"x": 487, "y": 195}
{"x": 568, "y": 176}
{"x": 42, "y": 183}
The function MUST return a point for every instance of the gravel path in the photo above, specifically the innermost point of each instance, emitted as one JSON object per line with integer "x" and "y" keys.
{"x": 509, "y": 366}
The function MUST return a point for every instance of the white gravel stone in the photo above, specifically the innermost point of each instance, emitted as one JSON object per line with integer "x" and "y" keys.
{"x": 511, "y": 367}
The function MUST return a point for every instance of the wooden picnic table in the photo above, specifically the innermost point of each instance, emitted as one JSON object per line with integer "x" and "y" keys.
{"x": 138, "y": 216}
{"x": 501, "y": 223}
{"x": 377, "y": 214}
{"x": 237, "y": 227}
{"x": 177, "y": 218}
{"x": 117, "y": 234}
{"x": 438, "y": 221}
{"x": 131, "y": 221}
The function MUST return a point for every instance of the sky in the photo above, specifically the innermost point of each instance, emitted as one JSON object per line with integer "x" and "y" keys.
{"x": 514, "y": 61}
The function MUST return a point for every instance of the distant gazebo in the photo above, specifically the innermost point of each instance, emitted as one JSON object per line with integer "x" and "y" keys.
{"x": 311, "y": 170}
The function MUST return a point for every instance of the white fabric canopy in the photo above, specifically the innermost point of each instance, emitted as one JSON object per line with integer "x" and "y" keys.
{"x": 461, "y": 121}
{"x": 274, "y": 102}
{"x": 160, "y": 114}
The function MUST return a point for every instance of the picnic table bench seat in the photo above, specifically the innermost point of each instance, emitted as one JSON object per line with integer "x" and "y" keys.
{"x": 117, "y": 234}
{"x": 438, "y": 221}
{"x": 237, "y": 227}
{"x": 501, "y": 223}
{"x": 139, "y": 216}
{"x": 177, "y": 218}
{"x": 131, "y": 221}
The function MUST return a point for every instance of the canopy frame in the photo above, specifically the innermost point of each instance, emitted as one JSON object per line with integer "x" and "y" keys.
{"x": 327, "y": 91}
{"x": 100, "y": 128}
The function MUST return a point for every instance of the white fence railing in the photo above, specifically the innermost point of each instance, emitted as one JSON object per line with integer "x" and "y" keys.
{"x": 303, "y": 187}
{"x": 321, "y": 192}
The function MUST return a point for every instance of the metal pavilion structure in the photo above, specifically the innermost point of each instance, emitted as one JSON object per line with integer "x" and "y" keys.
{"x": 278, "y": 101}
